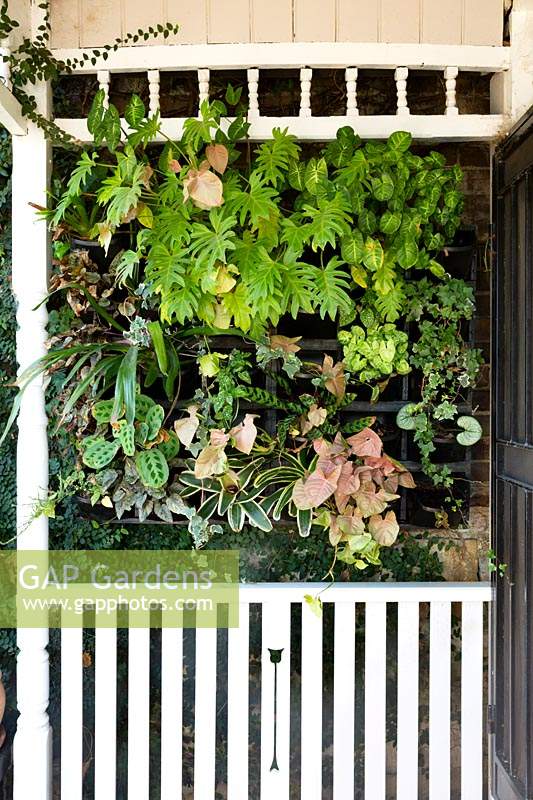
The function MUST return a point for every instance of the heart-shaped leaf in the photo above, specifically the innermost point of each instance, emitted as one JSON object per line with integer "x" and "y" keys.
{"x": 385, "y": 529}
{"x": 204, "y": 188}
{"x": 314, "y": 490}
{"x": 373, "y": 254}
{"x": 217, "y": 155}
{"x": 471, "y": 433}
{"x": 400, "y": 140}
{"x": 186, "y": 428}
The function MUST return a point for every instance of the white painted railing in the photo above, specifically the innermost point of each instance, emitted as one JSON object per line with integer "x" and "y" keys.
{"x": 400, "y": 608}
{"x": 399, "y": 59}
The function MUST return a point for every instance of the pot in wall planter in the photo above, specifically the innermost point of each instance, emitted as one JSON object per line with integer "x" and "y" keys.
{"x": 97, "y": 254}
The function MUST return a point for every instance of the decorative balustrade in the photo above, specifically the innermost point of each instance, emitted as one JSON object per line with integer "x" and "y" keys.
{"x": 388, "y": 620}
{"x": 449, "y": 60}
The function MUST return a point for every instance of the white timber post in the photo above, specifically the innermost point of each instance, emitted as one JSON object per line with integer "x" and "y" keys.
{"x": 511, "y": 90}
{"x": 31, "y": 174}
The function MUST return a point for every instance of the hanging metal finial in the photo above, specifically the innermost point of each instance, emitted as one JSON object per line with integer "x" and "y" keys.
{"x": 275, "y": 658}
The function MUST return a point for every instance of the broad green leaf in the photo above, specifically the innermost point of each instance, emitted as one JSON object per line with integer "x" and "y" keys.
{"x": 233, "y": 94}
{"x": 152, "y": 468}
{"x": 407, "y": 252}
{"x": 112, "y": 127}
{"x": 154, "y": 419}
{"x": 332, "y": 289}
{"x": 367, "y": 221}
{"x": 316, "y": 173}
{"x": 236, "y": 516}
{"x": 359, "y": 276}
{"x": 135, "y": 111}
{"x": 145, "y": 215}
{"x": 383, "y": 187}
{"x": 126, "y": 437}
{"x": 296, "y": 175}
{"x": 390, "y": 222}
{"x": 102, "y": 411}
{"x": 373, "y": 255}
{"x": 400, "y": 140}
{"x": 99, "y": 453}
{"x": 95, "y": 118}
{"x": 329, "y": 221}
{"x": 437, "y": 269}
{"x": 352, "y": 247}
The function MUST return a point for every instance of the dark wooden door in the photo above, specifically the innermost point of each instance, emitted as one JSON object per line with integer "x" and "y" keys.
{"x": 512, "y": 476}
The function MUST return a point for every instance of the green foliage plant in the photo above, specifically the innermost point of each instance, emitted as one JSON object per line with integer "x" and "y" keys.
{"x": 449, "y": 367}
{"x": 227, "y": 240}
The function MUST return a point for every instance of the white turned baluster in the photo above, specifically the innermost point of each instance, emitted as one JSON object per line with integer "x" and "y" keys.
{"x": 450, "y": 76}
{"x": 31, "y": 177}
{"x": 253, "y": 99}
{"x": 351, "y": 92}
{"x": 400, "y": 76}
{"x": 104, "y": 77}
{"x": 305, "y": 92}
{"x": 153, "y": 88}
{"x": 203, "y": 86}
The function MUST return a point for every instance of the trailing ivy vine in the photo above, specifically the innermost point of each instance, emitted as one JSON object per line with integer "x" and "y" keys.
{"x": 32, "y": 61}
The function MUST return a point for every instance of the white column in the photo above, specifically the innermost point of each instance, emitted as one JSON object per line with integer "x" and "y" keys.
{"x": 153, "y": 88}
{"x": 5, "y": 76}
{"x": 31, "y": 171}
{"x": 253, "y": 99}
{"x": 351, "y": 92}
{"x": 450, "y": 76}
{"x": 305, "y": 92}
{"x": 400, "y": 76}
{"x": 104, "y": 78}
{"x": 203, "y": 85}
{"x": 512, "y": 91}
